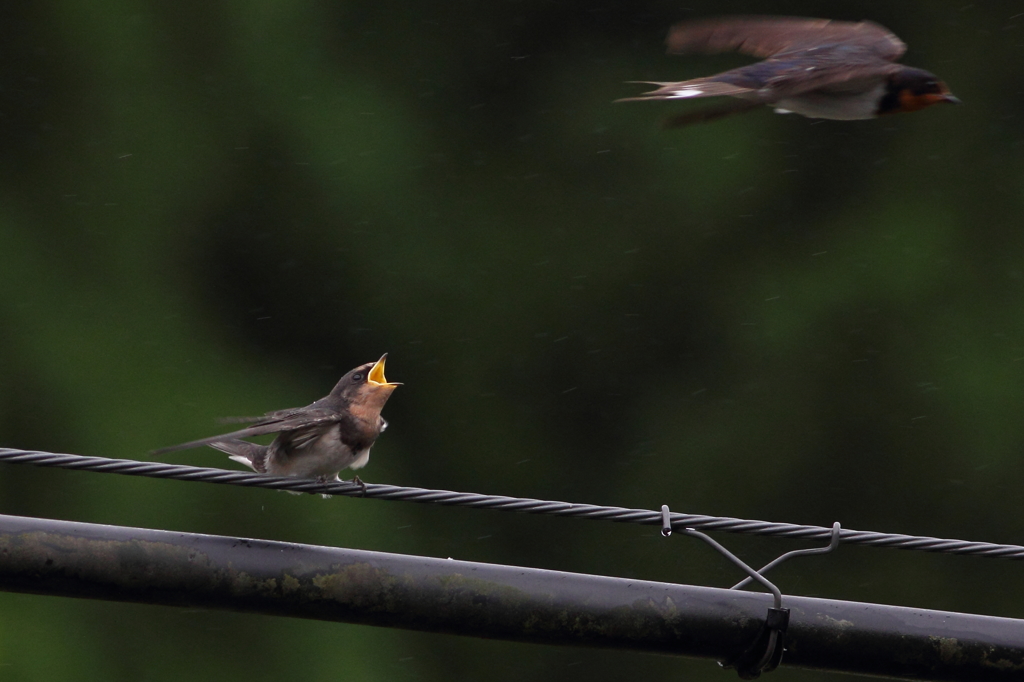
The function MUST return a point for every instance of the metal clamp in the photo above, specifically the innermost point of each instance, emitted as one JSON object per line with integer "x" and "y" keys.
{"x": 765, "y": 653}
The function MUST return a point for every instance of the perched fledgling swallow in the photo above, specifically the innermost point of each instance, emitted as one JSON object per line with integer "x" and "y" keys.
{"x": 818, "y": 68}
{"x": 316, "y": 441}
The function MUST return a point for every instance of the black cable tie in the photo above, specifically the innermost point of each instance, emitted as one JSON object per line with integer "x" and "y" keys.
{"x": 765, "y": 654}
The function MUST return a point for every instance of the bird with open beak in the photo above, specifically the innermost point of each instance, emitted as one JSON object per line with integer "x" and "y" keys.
{"x": 818, "y": 68}
{"x": 316, "y": 441}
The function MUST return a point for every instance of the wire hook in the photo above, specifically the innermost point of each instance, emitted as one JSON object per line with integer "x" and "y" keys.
{"x": 666, "y": 530}
{"x": 765, "y": 654}
{"x": 833, "y": 543}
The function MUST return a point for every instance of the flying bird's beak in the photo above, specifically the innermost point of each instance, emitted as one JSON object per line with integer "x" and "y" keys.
{"x": 944, "y": 96}
{"x": 376, "y": 375}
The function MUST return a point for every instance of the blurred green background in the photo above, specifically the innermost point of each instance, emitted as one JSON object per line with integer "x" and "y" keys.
{"x": 215, "y": 209}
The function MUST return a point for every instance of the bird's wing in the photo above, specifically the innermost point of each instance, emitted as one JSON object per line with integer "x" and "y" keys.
{"x": 238, "y": 448}
{"x": 708, "y": 114}
{"x": 273, "y": 422}
{"x": 766, "y": 36}
{"x": 833, "y": 69}
{"x": 300, "y": 438}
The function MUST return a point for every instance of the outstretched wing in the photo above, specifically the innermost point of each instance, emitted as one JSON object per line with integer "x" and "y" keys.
{"x": 834, "y": 68}
{"x": 766, "y": 36}
{"x": 274, "y": 422}
{"x": 800, "y": 55}
{"x": 709, "y": 114}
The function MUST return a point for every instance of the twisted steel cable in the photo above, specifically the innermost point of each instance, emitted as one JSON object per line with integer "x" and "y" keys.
{"x": 516, "y": 504}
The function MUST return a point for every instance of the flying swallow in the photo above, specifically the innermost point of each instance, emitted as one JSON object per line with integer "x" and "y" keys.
{"x": 818, "y": 68}
{"x": 316, "y": 441}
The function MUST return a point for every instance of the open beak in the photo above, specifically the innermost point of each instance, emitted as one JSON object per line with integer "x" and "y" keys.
{"x": 376, "y": 375}
{"x": 950, "y": 99}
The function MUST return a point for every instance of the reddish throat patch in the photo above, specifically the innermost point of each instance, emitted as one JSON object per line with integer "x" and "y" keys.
{"x": 911, "y": 102}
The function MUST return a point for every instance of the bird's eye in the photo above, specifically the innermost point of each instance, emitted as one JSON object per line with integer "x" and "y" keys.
{"x": 358, "y": 376}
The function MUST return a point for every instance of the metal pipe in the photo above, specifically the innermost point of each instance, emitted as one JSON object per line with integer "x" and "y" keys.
{"x": 502, "y": 602}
